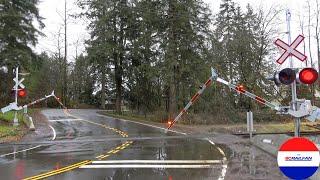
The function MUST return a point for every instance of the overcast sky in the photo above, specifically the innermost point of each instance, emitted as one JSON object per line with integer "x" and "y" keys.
{"x": 52, "y": 11}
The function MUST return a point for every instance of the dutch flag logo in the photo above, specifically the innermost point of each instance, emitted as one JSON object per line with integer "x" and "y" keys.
{"x": 298, "y": 158}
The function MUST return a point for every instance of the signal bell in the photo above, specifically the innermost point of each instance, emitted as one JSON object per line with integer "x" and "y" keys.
{"x": 287, "y": 76}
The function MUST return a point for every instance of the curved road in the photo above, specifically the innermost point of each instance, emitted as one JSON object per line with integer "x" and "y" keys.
{"x": 85, "y": 145}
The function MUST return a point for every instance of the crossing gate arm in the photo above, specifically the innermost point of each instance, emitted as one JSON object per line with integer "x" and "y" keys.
{"x": 39, "y": 100}
{"x": 214, "y": 77}
{"x": 252, "y": 96}
{"x": 194, "y": 97}
{"x": 44, "y": 98}
{"x": 58, "y": 100}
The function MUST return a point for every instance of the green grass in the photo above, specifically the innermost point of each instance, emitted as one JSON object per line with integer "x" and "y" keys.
{"x": 271, "y": 127}
{"x": 9, "y": 116}
{"x": 9, "y": 130}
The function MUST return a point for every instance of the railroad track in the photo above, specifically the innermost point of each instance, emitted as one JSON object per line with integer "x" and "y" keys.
{"x": 305, "y": 133}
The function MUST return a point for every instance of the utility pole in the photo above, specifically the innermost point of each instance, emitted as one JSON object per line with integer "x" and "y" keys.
{"x": 65, "y": 54}
{"x": 16, "y": 86}
{"x": 294, "y": 84}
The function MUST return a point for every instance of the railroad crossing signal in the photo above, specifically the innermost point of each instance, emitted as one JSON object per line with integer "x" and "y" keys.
{"x": 304, "y": 109}
{"x": 288, "y": 75}
{"x": 18, "y": 83}
{"x": 290, "y": 50}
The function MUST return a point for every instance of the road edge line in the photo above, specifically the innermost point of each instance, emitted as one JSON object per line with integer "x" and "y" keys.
{"x": 154, "y": 126}
{"x": 224, "y": 164}
{"x": 54, "y": 133}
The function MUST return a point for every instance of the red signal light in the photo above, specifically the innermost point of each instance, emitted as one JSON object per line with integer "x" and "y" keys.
{"x": 240, "y": 88}
{"x": 22, "y": 93}
{"x": 169, "y": 122}
{"x": 308, "y": 76}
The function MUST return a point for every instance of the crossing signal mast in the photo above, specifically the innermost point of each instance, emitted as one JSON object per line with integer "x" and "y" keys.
{"x": 19, "y": 91}
{"x": 299, "y": 108}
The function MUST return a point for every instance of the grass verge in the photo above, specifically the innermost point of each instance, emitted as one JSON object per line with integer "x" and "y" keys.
{"x": 271, "y": 127}
{"x": 8, "y": 132}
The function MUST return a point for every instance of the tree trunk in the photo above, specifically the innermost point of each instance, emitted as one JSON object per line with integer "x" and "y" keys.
{"x": 172, "y": 99}
{"x": 172, "y": 59}
{"x": 118, "y": 81}
{"x": 103, "y": 87}
{"x": 118, "y": 92}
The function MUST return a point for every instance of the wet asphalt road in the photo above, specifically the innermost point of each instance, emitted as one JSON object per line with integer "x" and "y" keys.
{"x": 77, "y": 133}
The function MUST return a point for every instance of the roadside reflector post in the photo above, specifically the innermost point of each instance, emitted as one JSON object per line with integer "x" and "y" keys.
{"x": 25, "y": 109}
{"x": 250, "y": 123}
{"x": 15, "y": 119}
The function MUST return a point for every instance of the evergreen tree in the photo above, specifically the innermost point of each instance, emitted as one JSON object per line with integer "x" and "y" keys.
{"x": 238, "y": 39}
{"x": 17, "y": 31}
{"x": 17, "y": 34}
{"x": 108, "y": 43}
{"x": 185, "y": 36}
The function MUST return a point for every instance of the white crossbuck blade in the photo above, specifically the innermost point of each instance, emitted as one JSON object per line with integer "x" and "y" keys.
{"x": 19, "y": 83}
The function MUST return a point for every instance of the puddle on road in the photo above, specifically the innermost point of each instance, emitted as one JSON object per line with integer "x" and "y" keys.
{"x": 171, "y": 149}
{"x": 246, "y": 161}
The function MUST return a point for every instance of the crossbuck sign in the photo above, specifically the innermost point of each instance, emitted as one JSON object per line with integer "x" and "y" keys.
{"x": 290, "y": 49}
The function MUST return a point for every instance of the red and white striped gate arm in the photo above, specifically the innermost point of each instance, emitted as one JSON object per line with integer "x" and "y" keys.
{"x": 252, "y": 96}
{"x": 193, "y": 99}
{"x": 64, "y": 107}
{"x": 44, "y": 98}
{"x": 214, "y": 77}
{"x": 39, "y": 100}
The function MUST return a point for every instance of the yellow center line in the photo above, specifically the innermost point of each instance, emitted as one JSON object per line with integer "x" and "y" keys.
{"x": 114, "y": 152}
{"x": 99, "y": 156}
{"x": 77, "y": 165}
{"x": 104, "y": 156}
{"x": 110, "y": 151}
{"x": 50, "y": 173}
{"x": 59, "y": 172}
